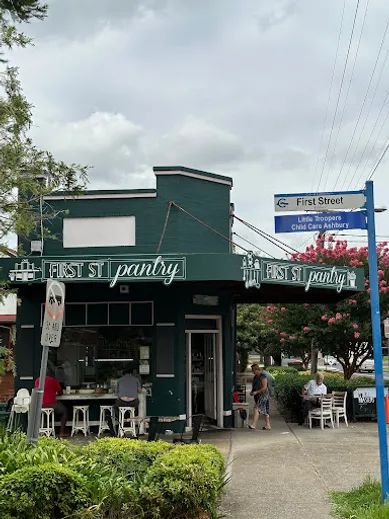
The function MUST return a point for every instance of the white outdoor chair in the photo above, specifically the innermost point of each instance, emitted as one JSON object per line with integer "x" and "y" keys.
{"x": 20, "y": 406}
{"x": 339, "y": 406}
{"x": 323, "y": 413}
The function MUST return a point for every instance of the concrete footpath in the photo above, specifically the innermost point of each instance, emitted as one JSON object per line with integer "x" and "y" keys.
{"x": 288, "y": 471}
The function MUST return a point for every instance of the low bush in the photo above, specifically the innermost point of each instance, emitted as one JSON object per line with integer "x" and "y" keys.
{"x": 43, "y": 492}
{"x": 288, "y": 389}
{"x": 363, "y": 502}
{"x": 184, "y": 482}
{"x": 129, "y": 457}
{"x": 280, "y": 370}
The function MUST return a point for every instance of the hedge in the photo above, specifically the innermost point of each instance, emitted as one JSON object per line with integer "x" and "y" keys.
{"x": 288, "y": 390}
{"x": 110, "y": 478}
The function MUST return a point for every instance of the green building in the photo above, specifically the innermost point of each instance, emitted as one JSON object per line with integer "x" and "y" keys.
{"x": 151, "y": 278}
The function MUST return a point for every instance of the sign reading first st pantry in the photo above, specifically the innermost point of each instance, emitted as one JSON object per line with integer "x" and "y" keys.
{"x": 319, "y": 201}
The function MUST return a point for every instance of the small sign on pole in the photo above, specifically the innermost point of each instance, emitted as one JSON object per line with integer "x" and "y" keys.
{"x": 51, "y": 336}
{"x": 53, "y": 318}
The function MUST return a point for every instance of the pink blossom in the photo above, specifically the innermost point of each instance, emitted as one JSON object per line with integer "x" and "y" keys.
{"x": 324, "y": 318}
{"x": 368, "y": 290}
{"x": 330, "y": 238}
{"x": 353, "y": 301}
{"x": 270, "y": 320}
{"x": 276, "y": 332}
{"x": 292, "y": 337}
{"x": 332, "y": 320}
{"x": 269, "y": 308}
{"x": 306, "y": 329}
{"x": 368, "y": 301}
{"x": 357, "y": 335}
{"x": 381, "y": 273}
{"x": 355, "y": 326}
{"x": 306, "y": 305}
{"x": 282, "y": 340}
{"x": 338, "y": 316}
{"x": 283, "y": 309}
{"x": 283, "y": 334}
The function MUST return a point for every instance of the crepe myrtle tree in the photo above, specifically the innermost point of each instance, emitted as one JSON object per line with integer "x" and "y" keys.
{"x": 343, "y": 329}
{"x": 22, "y": 210}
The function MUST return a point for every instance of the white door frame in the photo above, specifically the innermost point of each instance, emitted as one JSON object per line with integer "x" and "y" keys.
{"x": 218, "y": 367}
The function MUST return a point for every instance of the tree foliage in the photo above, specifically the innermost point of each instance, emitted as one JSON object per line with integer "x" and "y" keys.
{"x": 21, "y": 162}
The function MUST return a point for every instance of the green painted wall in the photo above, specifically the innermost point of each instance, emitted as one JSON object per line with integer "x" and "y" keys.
{"x": 207, "y": 201}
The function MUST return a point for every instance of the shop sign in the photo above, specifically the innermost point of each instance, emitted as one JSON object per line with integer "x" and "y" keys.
{"x": 257, "y": 270}
{"x": 113, "y": 271}
{"x": 54, "y": 308}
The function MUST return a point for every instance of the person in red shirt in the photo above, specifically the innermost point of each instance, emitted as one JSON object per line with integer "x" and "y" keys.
{"x": 51, "y": 389}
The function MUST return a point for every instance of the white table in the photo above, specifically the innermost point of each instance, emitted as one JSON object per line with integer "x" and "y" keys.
{"x": 142, "y": 412}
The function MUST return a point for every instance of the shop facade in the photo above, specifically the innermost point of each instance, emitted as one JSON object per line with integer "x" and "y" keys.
{"x": 152, "y": 280}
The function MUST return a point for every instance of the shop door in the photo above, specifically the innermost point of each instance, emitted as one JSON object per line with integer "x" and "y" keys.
{"x": 210, "y": 375}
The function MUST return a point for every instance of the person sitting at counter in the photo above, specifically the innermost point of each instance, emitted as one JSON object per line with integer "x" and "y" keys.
{"x": 51, "y": 390}
{"x": 128, "y": 389}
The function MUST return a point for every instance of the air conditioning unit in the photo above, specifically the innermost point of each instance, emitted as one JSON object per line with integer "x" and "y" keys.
{"x": 124, "y": 289}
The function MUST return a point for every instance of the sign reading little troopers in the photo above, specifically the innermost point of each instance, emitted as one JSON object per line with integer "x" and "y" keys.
{"x": 54, "y": 308}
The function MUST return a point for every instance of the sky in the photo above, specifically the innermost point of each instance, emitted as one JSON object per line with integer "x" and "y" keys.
{"x": 238, "y": 88}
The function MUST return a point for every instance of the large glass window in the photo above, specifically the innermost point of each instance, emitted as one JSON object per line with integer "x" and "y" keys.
{"x": 97, "y": 355}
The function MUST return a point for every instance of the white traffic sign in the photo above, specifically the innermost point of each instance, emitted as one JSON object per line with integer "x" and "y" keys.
{"x": 386, "y": 328}
{"x": 319, "y": 201}
{"x": 54, "y": 308}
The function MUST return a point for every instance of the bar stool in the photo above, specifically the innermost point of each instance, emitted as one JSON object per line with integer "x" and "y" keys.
{"x": 81, "y": 419}
{"x": 122, "y": 420}
{"x": 47, "y": 422}
{"x": 103, "y": 426}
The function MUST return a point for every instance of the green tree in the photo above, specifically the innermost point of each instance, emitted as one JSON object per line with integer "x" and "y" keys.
{"x": 21, "y": 162}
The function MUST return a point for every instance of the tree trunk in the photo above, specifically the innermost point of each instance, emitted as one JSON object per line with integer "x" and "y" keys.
{"x": 348, "y": 372}
{"x": 267, "y": 360}
{"x": 277, "y": 357}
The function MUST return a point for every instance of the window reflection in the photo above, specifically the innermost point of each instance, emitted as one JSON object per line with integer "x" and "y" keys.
{"x": 97, "y": 355}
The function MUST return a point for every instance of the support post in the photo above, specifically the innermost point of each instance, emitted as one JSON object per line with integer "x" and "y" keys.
{"x": 377, "y": 339}
{"x": 36, "y": 401}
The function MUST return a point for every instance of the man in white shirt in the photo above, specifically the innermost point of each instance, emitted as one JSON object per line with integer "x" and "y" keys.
{"x": 310, "y": 393}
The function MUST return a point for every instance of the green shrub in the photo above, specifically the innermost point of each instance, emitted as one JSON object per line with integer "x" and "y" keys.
{"x": 48, "y": 491}
{"x": 183, "y": 483}
{"x": 289, "y": 386}
{"x": 363, "y": 502}
{"x": 15, "y": 453}
{"x": 280, "y": 370}
{"x": 129, "y": 457}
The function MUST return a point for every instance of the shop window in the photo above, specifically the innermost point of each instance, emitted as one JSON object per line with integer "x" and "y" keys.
{"x": 119, "y": 314}
{"x": 142, "y": 314}
{"x": 25, "y": 339}
{"x": 97, "y": 314}
{"x": 164, "y": 363}
{"x": 75, "y": 314}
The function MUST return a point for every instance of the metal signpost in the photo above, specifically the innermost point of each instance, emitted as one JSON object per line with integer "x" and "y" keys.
{"x": 51, "y": 336}
{"x": 335, "y": 201}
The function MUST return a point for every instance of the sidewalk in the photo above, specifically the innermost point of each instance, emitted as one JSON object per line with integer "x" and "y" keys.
{"x": 287, "y": 472}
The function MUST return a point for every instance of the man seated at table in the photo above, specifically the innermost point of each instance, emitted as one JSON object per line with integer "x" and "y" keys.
{"x": 52, "y": 388}
{"x": 128, "y": 389}
{"x": 311, "y": 393}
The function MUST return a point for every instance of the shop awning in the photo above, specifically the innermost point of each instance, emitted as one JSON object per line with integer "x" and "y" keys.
{"x": 250, "y": 278}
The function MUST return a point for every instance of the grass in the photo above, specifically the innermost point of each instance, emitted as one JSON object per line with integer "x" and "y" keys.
{"x": 363, "y": 502}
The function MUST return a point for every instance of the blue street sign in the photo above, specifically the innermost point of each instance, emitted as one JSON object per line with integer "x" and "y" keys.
{"x": 321, "y": 222}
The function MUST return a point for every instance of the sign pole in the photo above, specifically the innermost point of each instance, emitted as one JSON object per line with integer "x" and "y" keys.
{"x": 36, "y": 401}
{"x": 377, "y": 339}
{"x": 51, "y": 336}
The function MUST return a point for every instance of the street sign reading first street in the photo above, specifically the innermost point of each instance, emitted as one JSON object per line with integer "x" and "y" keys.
{"x": 322, "y": 222}
{"x": 54, "y": 307}
{"x": 319, "y": 201}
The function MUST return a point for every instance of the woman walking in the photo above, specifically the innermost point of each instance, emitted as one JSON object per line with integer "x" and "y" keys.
{"x": 260, "y": 392}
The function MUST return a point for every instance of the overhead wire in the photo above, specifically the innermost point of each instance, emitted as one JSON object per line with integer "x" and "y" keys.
{"x": 252, "y": 244}
{"x": 340, "y": 93}
{"x": 275, "y": 241}
{"x": 371, "y": 101}
{"x": 385, "y": 149}
{"x": 347, "y": 92}
{"x": 330, "y": 95}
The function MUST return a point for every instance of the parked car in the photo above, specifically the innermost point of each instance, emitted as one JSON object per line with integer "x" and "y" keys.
{"x": 329, "y": 361}
{"x": 367, "y": 366}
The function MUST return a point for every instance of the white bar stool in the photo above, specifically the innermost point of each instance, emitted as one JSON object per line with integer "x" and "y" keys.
{"x": 122, "y": 420}
{"x": 47, "y": 422}
{"x": 103, "y": 426}
{"x": 81, "y": 419}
